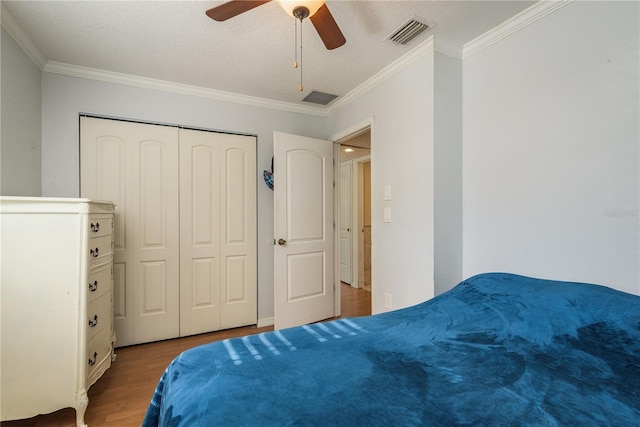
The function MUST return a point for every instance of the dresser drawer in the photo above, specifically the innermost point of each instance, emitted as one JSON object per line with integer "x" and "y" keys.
{"x": 99, "y": 315}
{"x": 99, "y": 248}
{"x": 100, "y": 225}
{"x": 100, "y": 280}
{"x": 99, "y": 352}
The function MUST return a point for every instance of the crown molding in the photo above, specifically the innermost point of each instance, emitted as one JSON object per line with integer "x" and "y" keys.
{"x": 184, "y": 89}
{"x": 13, "y": 28}
{"x": 423, "y": 49}
{"x": 526, "y": 17}
{"x": 448, "y": 47}
{"x": 426, "y": 47}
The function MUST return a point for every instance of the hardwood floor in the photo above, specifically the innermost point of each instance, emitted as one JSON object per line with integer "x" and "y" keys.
{"x": 354, "y": 302}
{"x": 120, "y": 398}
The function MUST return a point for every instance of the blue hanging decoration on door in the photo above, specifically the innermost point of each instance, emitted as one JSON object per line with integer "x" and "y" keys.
{"x": 268, "y": 176}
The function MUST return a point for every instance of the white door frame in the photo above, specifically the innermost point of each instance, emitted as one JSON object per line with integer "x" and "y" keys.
{"x": 357, "y": 218}
{"x": 336, "y": 139}
{"x": 346, "y": 206}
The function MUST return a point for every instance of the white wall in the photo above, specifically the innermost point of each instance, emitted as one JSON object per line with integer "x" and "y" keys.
{"x": 447, "y": 172}
{"x": 20, "y": 134}
{"x": 402, "y": 147}
{"x": 550, "y": 152}
{"x": 65, "y": 97}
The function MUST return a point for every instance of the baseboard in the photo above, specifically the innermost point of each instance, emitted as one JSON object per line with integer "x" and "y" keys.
{"x": 268, "y": 321}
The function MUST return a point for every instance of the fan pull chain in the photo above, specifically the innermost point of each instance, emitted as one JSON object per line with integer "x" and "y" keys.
{"x": 301, "y": 87}
{"x": 299, "y": 13}
{"x": 295, "y": 37}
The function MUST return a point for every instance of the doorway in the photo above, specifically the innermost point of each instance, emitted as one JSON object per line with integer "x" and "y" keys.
{"x": 355, "y": 210}
{"x": 354, "y": 145}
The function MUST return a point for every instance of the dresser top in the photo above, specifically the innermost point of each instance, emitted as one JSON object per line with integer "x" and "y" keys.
{"x": 18, "y": 204}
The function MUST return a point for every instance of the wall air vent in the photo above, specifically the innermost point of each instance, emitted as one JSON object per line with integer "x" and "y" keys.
{"x": 408, "y": 31}
{"x": 319, "y": 98}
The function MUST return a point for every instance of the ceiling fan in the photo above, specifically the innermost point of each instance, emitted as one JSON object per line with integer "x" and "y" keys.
{"x": 317, "y": 12}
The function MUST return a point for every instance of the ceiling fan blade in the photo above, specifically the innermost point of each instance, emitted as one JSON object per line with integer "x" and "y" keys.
{"x": 233, "y": 8}
{"x": 327, "y": 28}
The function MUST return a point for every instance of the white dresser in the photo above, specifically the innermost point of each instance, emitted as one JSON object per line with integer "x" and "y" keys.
{"x": 56, "y": 281}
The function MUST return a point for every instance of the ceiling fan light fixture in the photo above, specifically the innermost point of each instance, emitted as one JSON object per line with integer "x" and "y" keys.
{"x": 290, "y": 6}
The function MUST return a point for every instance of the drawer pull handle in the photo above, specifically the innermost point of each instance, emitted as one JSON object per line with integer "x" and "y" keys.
{"x": 93, "y": 322}
{"x": 93, "y": 286}
{"x": 94, "y": 360}
{"x": 95, "y": 227}
{"x": 94, "y": 253}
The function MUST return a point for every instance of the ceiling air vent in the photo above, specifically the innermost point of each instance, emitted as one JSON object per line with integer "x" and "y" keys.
{"x": 408, "y": 31}
{"x": 319, "y": 98}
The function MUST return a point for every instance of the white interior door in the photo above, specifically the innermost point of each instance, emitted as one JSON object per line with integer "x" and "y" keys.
{"x": 303, "y": 227}
{"x": 346, "y": 226}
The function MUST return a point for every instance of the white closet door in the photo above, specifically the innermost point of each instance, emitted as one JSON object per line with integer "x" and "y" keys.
{"x": 186, "y": 226}
{"x": 105, "y": 171}
{"x": 218, "y": 235}
{"x": 199, "y": 233}
{"x": 154, "y": 233}
{"x": 239, "y": 233}
{"x": 134, "y": 165}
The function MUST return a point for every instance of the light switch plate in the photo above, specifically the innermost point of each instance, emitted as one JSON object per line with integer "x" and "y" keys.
{"x": 387, "y": 192}
{"x": 387, "y": 214}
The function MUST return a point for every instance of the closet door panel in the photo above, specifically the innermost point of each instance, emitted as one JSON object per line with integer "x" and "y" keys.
{"x": 105, "y": 174}
{"x": 199, "y": 232}
{"x": 154, "y": 233}
{"x": 204, "y": 284}
{"x": 236, "y": 189}
{"x": 236, "y": 283}
{"x": 239, "y": 232}
{"x": 120, "y": 303}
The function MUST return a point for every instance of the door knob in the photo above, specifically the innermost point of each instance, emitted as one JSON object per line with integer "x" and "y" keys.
{"x": 282, "y": 242}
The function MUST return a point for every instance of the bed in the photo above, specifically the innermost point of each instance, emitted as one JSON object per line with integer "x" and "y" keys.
{"x": 496, "y": 350}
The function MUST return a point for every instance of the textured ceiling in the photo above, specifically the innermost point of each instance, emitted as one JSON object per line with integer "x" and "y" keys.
{"x": 251, "y": 54}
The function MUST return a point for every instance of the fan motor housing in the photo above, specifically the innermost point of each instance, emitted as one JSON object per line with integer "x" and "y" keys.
{"x": 301, "y": 12}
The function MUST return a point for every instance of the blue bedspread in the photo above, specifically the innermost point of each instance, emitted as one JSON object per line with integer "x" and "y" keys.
{"x": 497, "y": 350}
